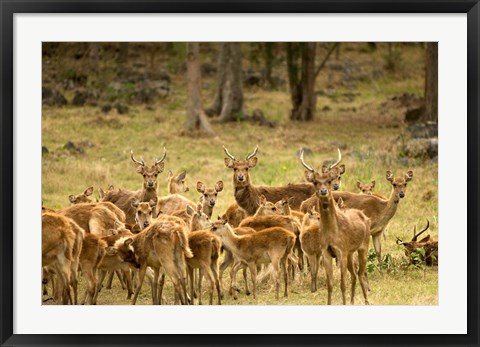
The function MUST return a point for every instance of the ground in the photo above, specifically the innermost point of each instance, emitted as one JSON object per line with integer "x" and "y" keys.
{"x": 357, "y": 116}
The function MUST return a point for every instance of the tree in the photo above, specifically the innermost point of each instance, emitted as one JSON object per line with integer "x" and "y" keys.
{"x": 228, "y": 101}
{"x": 196, "y": 119}
{"x": 301, "y": 77}
{"x": 431, "y": 83}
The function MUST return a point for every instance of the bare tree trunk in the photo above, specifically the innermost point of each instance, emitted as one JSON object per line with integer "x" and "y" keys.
{"x": 431, "y": 83}
{"x": 302, "y": 89}
{"x": 228, "y": 102}
{"x": 269, "y": 48}
{"x": 196, "y": 119}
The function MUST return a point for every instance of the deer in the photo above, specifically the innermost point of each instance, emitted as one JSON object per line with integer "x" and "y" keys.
{"x": 247, "y": 195}
{"x": 430, "y": 247}
{"x": 342, "y": 234}
{"x": 81, "y": 198}
{"x": 310, "y": 240}
{"x": 123, "y": 198}
{"x": 163, "y": 243}
{"x": 206, "y": 248}
{"x": 284, "y": 207}
{"x": 270, "y": 245}
{"x": 177, "y": 183}
{"x": 58, "y": 241}
{"x": 93, "y": 251}
{"x": 379, "y": 210}
{"x": 209, "y": 196}
{"x": 234, "y": 215}
{"x": 367, "y": 188}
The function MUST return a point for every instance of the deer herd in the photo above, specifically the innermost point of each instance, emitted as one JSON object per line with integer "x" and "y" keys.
{"x": 133, "y": 235}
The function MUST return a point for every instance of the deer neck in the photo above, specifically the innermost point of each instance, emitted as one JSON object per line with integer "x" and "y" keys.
{"x": 391, "y": 207}
{"x": 208, "y": 210}
{"x": 229, "y": 238}
{"x": 147, "y": 194}
{"x": 328, "y": 213}
{"x": 247, "y": 197}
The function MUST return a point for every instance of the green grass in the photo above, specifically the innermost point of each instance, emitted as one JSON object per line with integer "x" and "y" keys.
{"x": 371, "y": 137}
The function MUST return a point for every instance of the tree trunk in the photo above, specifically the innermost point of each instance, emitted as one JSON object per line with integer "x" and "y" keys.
{"x": 302, "y": 88}
{"x": 431, "y": 83}
{"x": 94, "y": 56}
{"x": 228, "y": 101}
{"x": 269, "y": 48}
{"x": 196, "y": 119}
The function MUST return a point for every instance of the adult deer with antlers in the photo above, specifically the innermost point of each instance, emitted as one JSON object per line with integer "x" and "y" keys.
{"x": 342, "y": 234}
{"x": 430, "y": 247}
{"x": 124, "y": 198}
{"x": 247, "y": 195}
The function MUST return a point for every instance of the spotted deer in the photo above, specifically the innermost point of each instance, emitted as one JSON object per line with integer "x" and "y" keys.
{"x": 124, "y": 198}
{"x": 341, "y": 235}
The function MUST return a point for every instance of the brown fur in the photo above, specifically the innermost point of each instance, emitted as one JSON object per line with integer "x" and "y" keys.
{"x": 270, "y": 245}
{"x": 177, "y": 183}
{"x": 58, "y": 240}
{"x": 205, "y": 247}
{"x": 234, "y": 215}
{"x": 163, "y": 244}
{"x": 93, "y": 251}
{"x": 84, "y": 214}
{"x": 341, "y": 233}
{"x": 81, "y": 198}
{"x": 209, "y": 196}
{"x": 169, "y": 204}
{"x": 430, "y": 248}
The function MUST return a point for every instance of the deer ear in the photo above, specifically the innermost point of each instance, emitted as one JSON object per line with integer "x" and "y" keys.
{"x": 359, "y": 185}
{"x": 72, "y": 198}
{"x": 373, "y": 184}
{"x": 200, "y": 187}
{"x": 219, "y": 186}
{"x": 181, "y": 176}
{"x": 309, "y": 176}
{"x": 342, "y": 169}
{"x": 262, "y": 200}
{"x": 111, "y": 187}
{"x": 159, "y": 167}
{"x": 135, "y": 203}
{"x": 101, "y": 193}
{"x": 409, "y": 176}
{"x": 169, "y": 175}
{"x": 111, "y": 250}
{"x": 389, "y": 176}
{"x": 190, "y": 211}
{"x": 128, "y": 241}
{"x": 324, "y": 168}
{"x": 199, "y": 208}
{"x": 252, "y": 162}
{"x": 425, "y": 239}
{"x": 139, "y": 168}
{"x": 88, "y": 191}
{"x": 229, "y": 163}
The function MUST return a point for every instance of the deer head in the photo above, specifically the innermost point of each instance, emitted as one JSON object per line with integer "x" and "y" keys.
{"x": 149, "y": 173}
{"x": 209, "y": 195}
{"x": 312, "y": 217}
{"x": 144, "y": 212}
{"x": 81, "y": 198}
{"x": 283, "y": 206}
{"x": 266, "y": 207}
{"x": 199, "y": 219}
{"x": 414, "y": 243}
{"x": 241, "y": 167}
{"x": 124, "y": 250}
{"x": 322, "y": 182}
{"x": 399, "y": 184}
{"x": 335, "y": 171}
{"x": 366, "y": 188}
{"x": 177, "y": 183}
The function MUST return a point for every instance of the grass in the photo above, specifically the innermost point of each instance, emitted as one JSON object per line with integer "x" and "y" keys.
{"x": 370, "y": 135}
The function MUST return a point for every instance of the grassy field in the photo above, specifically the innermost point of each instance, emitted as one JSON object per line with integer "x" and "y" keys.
{"x": 368, "y": 131}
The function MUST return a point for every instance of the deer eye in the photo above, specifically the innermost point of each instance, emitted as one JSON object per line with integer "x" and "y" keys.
{"x": 394, "y": 184}
{"x": 246, "y": 169}
{"x": 205, "y": 195}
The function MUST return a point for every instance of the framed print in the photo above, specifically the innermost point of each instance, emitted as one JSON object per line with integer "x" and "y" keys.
{"x": 272, "y": 172}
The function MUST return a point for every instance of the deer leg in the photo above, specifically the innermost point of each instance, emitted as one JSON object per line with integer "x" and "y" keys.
{"x": 190, "y": 277}
{"x": 160, "y": 287}
{"x": 362, "y": 267}
{"x": 377, "y": 244}
{"x": 110, "y": 279}
{"x": 312, "y": 261}
{"x": 253, "y": 274}
{"x": 98, "y": 287}
{"x": 298, "y": 246}
{"x": 342, "y": 258}
{"x": 327, "y": 264}
{"x": 283, "y": 263}
{"x": 156, "y": 272}
{"x": 227, "y": 261}
{"x": 141, "y": 276}
{"x": 233, "y": 278}
{"x": 128, "y": 281}
{"x": 353, "y": 275}
{"x": 121, "y": 278}
{"x": 216, "y": 276}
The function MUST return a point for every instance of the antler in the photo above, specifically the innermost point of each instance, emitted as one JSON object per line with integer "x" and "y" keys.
{"x": 228, "y": 153}
{"x": 415, "y": 235}
{"x": 338, "y": 161}
{"x": 158, "y": 161}
{"x": 142, "y": 163}
{"x": 399, "y": 242}
{"x": 305, "y": 164}
{"x": 253, "y": 153}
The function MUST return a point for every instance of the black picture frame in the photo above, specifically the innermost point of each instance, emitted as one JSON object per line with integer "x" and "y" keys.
{"x": 9, "y": 8}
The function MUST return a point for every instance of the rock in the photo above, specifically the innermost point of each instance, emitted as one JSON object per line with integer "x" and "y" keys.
{"x": 421, "y": 148}
{"x": 252, "y": 79}
{"x": 45, "y": 150}
{"x": 72, "y": 148}
{"x": 423, "y": 130}
{"x": 106, "y": 108}
{"x": 52, "y": 97}
{"x": 414, "y": 114}
{"x": 121, "y": 109}
{"x": 83, "y": 97}
{"x": 306, "y": 151}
